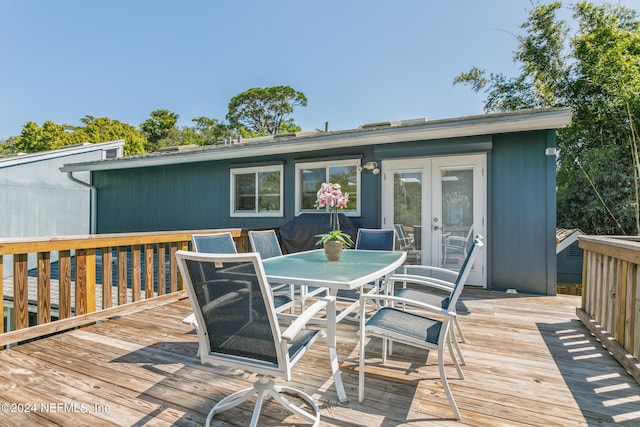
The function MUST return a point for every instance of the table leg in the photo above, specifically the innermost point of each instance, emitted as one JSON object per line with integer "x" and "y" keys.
{"x": 333, "y": 354}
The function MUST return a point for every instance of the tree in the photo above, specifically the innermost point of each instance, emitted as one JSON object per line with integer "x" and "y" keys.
{"x": 49, "y": 136}
{"x": 161, "y": 125}
{"x": 596, "y": 73}
{"x": 104, "y": 129}
{"x": 265, "y": 111}
{"x": 207, "y": 131}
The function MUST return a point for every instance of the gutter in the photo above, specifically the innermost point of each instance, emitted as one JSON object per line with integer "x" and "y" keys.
{"x": 490, "y": 124}
{"x": 92, "y": 203}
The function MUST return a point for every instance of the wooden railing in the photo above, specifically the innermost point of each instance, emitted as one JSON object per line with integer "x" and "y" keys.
{"x": 145, "y": 275}
{"x": 611, "y": 296}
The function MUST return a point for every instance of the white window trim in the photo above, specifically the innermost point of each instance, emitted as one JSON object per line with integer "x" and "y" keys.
{"x": 255, "y": 170}
{"x": 326, "y": 164}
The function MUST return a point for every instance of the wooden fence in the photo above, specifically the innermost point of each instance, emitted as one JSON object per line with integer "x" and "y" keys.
{"x": 611, "y": 295}
{"x": 97, "y": 277}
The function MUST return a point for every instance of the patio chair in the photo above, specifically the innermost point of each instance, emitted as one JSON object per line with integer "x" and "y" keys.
{"x": 265, "y": 242}
{"x": 429, "y": 285}
{"x": 214, "y": 243}
{"x": 415, "y": 327}
{"x": 221, "y": 243}
{"x": 373, "y": 239}
{"x": 457, "y": 244}
{"x": 232, "y": 300}
{"x": 404, "y": 241}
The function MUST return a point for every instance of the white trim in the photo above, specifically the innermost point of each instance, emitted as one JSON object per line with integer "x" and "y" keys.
{"x": 567, "y": 241}
{"x": 327, "y": 164}
{"x": 65, "y": 151}
{"x": 430, "y": 168}
{"x": 488, "y": 124}
{"x": 255, "y": 170}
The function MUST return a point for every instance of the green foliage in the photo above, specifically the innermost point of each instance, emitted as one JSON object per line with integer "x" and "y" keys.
{"x": 103, "y": 129}
{"x": 335, "y": 235}
{"x": 265, "y": 111}
{"x": 49, "y": 136}
{"x": 257, "y": 112}
{"x": 161, "y": 125}
{"x": 7, "y": 146}
{"x": 596, "y": 73}
{"x": 208, "y": 131}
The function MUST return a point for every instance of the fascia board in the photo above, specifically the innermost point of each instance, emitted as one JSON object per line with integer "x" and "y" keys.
{"x": 441, "y": 129}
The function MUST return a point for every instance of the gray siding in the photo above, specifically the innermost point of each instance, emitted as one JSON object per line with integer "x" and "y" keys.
{"x": 39, "y": 200}
{"x": 522, "y": 213}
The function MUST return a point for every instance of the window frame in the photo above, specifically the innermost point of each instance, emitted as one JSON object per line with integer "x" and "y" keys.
{"x": 326, "y": 164}
{"x": 255, "y": 170}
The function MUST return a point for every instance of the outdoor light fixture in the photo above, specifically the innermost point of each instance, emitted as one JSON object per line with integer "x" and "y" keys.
{"x": 370, "y": 166}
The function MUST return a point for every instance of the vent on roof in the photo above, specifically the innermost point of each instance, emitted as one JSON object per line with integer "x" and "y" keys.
{"x": 393, "y": 123}
{"x": 178, "y": 148}
{"x": 296, "y": 134}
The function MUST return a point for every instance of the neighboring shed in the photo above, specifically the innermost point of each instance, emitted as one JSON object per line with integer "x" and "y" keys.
{"x": 37, "y": 200}
{"x": 569, "y": 260}
{"x": 490, "y": 174}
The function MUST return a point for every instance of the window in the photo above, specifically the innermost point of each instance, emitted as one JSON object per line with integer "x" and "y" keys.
{"x": 256, "y": 191}
{"x": 309, "y": 176}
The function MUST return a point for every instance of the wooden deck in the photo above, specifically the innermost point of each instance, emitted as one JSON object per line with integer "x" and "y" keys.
{"x": 530, "y": 362}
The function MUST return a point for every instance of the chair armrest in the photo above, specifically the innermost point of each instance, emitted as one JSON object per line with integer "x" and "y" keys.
{"x": 409, "y": 302}
{"x": 424, "y": 281}
{"x": 459, "y": 239}
{"x": 301, "y": 321}
{"x": 428, "y": 268}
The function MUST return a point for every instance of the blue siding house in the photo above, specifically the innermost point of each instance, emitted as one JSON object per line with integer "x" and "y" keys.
{"x": 440, "y": 182}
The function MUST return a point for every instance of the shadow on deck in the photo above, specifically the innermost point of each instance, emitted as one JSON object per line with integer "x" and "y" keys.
{"x": 530, "y": 362}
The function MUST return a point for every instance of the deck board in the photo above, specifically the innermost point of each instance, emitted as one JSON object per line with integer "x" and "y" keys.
{"x": 530, "y": 362}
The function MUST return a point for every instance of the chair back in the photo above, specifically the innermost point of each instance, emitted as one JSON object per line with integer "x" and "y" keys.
{"x": 234, "y": 309}
{"x": 464, "y": 272}
{"x": 375, "y": 239}
{"x": 265, "y": 242}
{"x": 216, "y": 243}
{"x": 404, "y": 241}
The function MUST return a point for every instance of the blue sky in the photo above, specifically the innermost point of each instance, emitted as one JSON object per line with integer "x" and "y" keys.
{"x": 357, "y": 61}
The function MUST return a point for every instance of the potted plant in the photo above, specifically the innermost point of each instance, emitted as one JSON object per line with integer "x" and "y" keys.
{"x": 330, "y": 195}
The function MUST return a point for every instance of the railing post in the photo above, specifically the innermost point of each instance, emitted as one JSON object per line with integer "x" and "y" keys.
{"x": 107, "y": 278}
{"x": 135, "y": 273}
{"x": 161, "y": 271}
{"x": 122, "y": 275}
{"x": 148, "y": 270}
{"x": 64, "y": 284}
{"x": 85, "y": 281}
{"x": 44, "y": 287}
{"x": 20, "y": 291}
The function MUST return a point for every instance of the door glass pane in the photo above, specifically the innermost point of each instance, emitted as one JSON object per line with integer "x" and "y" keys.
{"x": 407, "y": 213}
{"x": 457, "y": 215}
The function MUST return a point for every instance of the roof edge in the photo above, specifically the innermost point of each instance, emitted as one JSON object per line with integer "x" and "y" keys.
{"x": 486, "y": 124}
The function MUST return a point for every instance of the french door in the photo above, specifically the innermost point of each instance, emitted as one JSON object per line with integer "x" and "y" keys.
{"x": 437, "y": 205}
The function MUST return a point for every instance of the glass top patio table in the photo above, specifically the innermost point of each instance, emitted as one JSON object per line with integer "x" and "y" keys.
{"x": 311, "y": 268}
